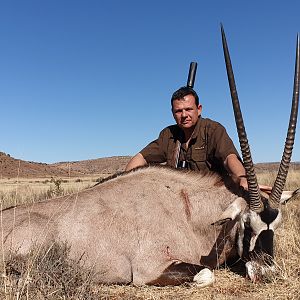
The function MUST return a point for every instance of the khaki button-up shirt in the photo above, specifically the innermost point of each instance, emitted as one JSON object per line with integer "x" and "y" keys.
{"x": 208, "y": 147}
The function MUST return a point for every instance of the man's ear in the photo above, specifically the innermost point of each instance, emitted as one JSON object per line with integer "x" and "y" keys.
{"x": 199, "y": 109}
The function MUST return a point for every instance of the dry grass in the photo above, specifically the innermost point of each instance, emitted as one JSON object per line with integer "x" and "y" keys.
{"x": 293, "y": 179}
{"x": 49, "y": 274}
{"x": 24, "y": 190}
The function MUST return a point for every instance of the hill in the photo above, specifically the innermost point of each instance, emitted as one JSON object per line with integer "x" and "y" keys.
{"x": 107, "y": 165}
{"x": 11, "y": 167}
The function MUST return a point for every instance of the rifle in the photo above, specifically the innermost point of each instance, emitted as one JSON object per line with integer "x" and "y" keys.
{"x": 190, "y": 84}
{"x": 192, "y": 74}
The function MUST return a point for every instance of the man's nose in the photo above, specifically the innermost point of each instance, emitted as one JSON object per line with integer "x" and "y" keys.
{"x": 183, "y": 113}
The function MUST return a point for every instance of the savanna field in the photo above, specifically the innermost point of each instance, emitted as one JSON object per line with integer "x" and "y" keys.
{"x": 49, "y": 274}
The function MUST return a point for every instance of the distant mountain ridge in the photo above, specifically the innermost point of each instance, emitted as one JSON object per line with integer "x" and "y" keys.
{"x": 273, "y": 166}
{"x": 11, "y": 167}
{"x": 106, "y": 165}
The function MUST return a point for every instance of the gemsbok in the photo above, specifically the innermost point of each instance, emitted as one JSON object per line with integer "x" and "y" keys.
{"x": 162, "y": 226}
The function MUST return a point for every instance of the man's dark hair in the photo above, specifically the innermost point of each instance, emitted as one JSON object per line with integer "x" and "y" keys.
{"x": 184, "y": 91}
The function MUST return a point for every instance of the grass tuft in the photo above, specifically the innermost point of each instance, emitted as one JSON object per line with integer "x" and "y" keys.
{"x": 47, "y": 273}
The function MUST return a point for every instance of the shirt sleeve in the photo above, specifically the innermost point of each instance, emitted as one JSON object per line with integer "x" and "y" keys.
{"x": 222, "y": 143}
{"x": 155, "y": 152}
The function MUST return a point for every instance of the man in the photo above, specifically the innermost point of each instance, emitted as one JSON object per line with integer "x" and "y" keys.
{"x": 194, "y": 143}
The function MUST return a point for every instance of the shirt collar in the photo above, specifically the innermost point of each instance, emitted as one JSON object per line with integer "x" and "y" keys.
{"x": 196, "y": 129}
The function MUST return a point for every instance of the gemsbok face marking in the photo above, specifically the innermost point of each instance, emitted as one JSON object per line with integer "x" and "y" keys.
{"x": 257, "y": 232}
{"x": 162, "y": 226}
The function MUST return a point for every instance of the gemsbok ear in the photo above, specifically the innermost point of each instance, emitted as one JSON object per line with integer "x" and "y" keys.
{"x": 288, "y": 195}
{"x": 231, "y": 212}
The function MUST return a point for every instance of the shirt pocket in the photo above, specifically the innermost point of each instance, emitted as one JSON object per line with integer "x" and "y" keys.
{"x": 199, "y": 153}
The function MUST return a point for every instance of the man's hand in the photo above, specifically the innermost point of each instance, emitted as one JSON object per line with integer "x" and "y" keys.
{"x": 264, "y": 188}
{"x": 243, "y": 182}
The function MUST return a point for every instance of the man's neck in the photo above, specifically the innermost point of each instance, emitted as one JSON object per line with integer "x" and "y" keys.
{"x": 188, "y": 133}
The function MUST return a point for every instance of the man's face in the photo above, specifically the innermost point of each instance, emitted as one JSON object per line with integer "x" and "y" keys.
{"x": 186, "y": 112}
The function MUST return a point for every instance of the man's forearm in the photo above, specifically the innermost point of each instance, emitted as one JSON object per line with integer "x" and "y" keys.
{"x": 234, "y": 165}
{"x": 136, "y": 161}
{"x": 238, "y": 172}
{"x": 236, "y": 169}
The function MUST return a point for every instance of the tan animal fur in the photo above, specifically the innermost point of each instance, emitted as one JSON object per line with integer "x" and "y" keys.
{"x": 131, "y": 228}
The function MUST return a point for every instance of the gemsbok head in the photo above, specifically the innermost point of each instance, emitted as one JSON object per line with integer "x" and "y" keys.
{"x": 258, "y": 224}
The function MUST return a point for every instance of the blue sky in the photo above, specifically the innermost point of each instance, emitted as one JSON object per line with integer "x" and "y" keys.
{"x": 89, "y": 79}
